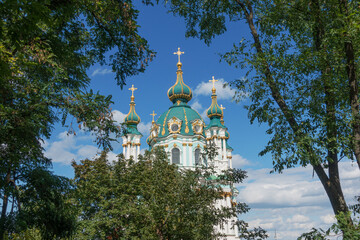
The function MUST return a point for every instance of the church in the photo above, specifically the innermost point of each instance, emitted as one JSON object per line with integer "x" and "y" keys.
{"x": 183, "y": 134}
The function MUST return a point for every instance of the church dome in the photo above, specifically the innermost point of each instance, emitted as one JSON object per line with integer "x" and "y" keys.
{"x": 180, "y": 119}
{"x": 132, "y": 117}
{"x": 179, "y": 91}
{"x": 214, "y": 110}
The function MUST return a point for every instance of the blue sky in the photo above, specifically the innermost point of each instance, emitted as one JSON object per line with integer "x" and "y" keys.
{"x": 291, "y": 203}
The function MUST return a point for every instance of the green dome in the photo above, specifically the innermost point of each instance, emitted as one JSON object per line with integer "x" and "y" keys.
{"x": 214, "y": 110}
{"x": 180, "y": 91}
{"x": 183, "y": 115}
{"x": 132, "y": 117}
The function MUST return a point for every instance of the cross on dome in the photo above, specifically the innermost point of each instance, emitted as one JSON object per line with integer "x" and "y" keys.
{"x": 222, "y": 116}
{"x": 153, "y": 115}
{"x": 132, "y": 89}
{"x": 179, "y": 53}
{"x": 213, "y": 80}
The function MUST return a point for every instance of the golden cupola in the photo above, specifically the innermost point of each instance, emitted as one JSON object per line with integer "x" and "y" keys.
{"x": 179, "y": 91}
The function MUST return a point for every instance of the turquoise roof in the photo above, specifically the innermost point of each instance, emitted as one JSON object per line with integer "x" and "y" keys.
{"x": 215, "y": 122}
{"x": 184, "y": 113}
{"x": 228, "y": 146}
{"x": 132, "y": 129}
{"x": 179, "y": 91}
{"x": 214, "y": 110}
{"x": 132, "y": 117}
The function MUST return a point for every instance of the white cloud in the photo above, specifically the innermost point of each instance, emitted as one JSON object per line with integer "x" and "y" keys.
{"x": 328, "y": 219}
{"x": 293, "y": 202}
{"x": 87, "y": 151}
{"x": 298, "y": 218}
{"x": 144, "y": 128}
{"x": 238, "y": 161}
{"x": 118, "y": 116}
{"x": 112, "y": 156}
{"x": 196, "y": 106}
{"x": 69, "y": 147}
{"x": 100, "y": 71}
{"x": 204, "y": 88}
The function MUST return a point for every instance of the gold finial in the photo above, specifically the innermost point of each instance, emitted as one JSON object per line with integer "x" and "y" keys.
{"x": 222, "y": 116}
{"x": 153, "y": 115}
{"x": 213, "y": 80}
{"x": 132, "y": 89}
{"x": 179, "y": 53}
{"x": 222, "y": 108}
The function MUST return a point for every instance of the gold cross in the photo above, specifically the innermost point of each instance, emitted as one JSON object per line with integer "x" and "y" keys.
{"x": 213, "y": 81}
{"x": 178, "y": 53}
{"x": 153, "y": 115}
{"x": 221, "y": 106}
{"x": 132, "y": 89}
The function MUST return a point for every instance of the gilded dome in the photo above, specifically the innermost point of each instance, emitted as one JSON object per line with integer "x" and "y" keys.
{"x": 179, "y": 91}
{"x": 180, "y": 119}
{"x": 132, "y": 117}
{"x": 214, "y": 110}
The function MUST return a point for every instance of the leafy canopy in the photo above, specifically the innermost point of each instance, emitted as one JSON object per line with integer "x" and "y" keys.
{"x": 150, "y": 199}
{"x": 46, "y": 48}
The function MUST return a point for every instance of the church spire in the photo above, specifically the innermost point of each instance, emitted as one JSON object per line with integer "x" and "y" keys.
{"x": 131, "y": 137}
{"x": 179, "y": 92}
{"x": 132, "y": 118}
{"x": 222, "y": 117}
{"x": 214, "y": 111}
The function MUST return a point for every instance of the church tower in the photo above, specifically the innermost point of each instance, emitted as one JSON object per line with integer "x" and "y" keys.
{"x": 183, "y": 134}
{"x": 131, "y": 137}
{"x": 216, "y": 133}
{"x": 180, "y": 130}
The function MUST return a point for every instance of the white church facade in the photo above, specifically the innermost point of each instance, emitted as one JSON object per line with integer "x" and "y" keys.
{"x": 182, "y": 132}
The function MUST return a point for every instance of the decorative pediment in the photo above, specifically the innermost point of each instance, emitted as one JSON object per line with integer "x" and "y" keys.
{"x": 155, "y": 130}
{"x": 174, "y": 125}
{"x": 197, "y": 126}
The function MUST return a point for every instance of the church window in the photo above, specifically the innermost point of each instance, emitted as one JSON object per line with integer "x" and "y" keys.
{"x": 197, "y": 156}
{"x": 174, "y": 127}
{"x": 175, "y": 156}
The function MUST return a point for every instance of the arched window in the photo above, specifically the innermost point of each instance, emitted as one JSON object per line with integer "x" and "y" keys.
{"x": 175, "y": 156}
{"x": 197, "y": 156}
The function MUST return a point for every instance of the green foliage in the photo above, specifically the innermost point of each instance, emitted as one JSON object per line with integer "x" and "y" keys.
{"x": 347, "y": 227}
{"x": 40, "y": 207}
{"x": 343, "y": 228}
{"x": 302, "y": 68}
{"x": 28, "y": 234}
{"x": 46, "y": 47}
{"x": 314, "y": 234}
{"x": 149, "y": 199}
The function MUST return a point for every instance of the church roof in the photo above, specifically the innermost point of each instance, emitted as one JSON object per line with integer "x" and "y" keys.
{"x": 132, "y": 119}
{"x": 179, "y": 112}
{"x": 132, "y": 129}
{"x": 215, "y": 112}
{"x": 179, "y": 91}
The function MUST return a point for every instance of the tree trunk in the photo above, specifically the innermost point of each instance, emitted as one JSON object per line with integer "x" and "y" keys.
{"x": 353, "y": 84}
{"x": 331, "y": 185}
{"x": 5, "y": 202}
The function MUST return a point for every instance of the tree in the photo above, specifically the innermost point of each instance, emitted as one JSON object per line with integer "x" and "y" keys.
{"x": 43, "y": 206}
{"x": 352, "y": 229}
{"x": 46, "y": 46}
{"x": 302, "y": 64}
{"x": 149, "y": 199}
